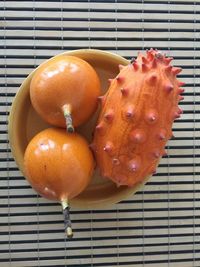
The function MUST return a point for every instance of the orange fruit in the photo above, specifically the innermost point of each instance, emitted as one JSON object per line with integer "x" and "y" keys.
{"x": 64, "y": 91}
{"x": 58, "y": 165}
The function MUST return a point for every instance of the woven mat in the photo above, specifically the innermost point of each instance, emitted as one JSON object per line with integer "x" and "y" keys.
{"x": 159, "y": 226}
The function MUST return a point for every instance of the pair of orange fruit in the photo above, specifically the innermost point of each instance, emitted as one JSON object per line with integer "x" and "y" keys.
{"x": 58, "y": 162}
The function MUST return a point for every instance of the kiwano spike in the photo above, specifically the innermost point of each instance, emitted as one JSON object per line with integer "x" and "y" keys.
{"x": 109, "y": 115}
{"x": 172, "y": 135}
{"x": 181, "y": 83}
{"x": 142, "y": 120}
{"x": 176, "y": 115}
{"x": 176, "y": 71}
{"x": 124, "y": 91}
{"x": 135, "y": 66}
{"x": 144, "y": 68}
{"x": 179, "y": 110}
{"x": 154, "y": 63}
{"x": 168, "y": 87}
{"x": 159, "y": 56}
{"x": 137, "y": 136}
{"x": 180, "y": 98}
{"x": 144, "y": 60}
{"x": 92, "y": 146}
{"x": 115, "y": 161}
{"x": 181, "y": 90}
{"x": 168, "y": 69}
{"x": 100, "y": 127}
{"x": 156, "y": 154}
{"x": 164, "y": 153}
{"x": 162, "y": 136}
{"x": 149, "y": 55}
{"x": 120, "y": 79}
{"x": 152, "y": 79}
{"x": 128, "y": 112}
{"x": 108, "y": 147}
{"x": 168, "y": 60}
{"x": 133, "y": 165}
{"x": 151, "y": 116}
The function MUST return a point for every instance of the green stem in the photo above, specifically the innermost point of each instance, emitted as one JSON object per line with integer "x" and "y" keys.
{"x": 67, "y": 221}
{"x": 68, "y": 117}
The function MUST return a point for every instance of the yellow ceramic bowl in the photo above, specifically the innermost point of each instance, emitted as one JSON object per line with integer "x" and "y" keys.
{"x": 24, "y": 123}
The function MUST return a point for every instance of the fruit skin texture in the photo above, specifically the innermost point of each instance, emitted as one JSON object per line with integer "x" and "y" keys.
{"x": 58, "y": 165}
{"x": 136, "y": 118}
{"x": 65, "y": 80}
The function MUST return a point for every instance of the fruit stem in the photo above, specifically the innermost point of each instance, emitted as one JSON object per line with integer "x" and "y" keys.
{"x": 67, "y": 221}
{"x": 68, "y": 117}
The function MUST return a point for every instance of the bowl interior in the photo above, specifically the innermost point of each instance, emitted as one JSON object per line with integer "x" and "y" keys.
{"x": 24, "y": 123}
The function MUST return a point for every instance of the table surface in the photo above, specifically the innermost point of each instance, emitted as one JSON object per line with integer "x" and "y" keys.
{"x": 159, "y": 226}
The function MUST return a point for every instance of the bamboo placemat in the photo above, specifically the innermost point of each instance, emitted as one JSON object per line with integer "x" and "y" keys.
{"x": 159, "y": 226}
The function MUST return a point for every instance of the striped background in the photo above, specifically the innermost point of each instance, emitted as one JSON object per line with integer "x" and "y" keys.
{"x": 159, "y": 226}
